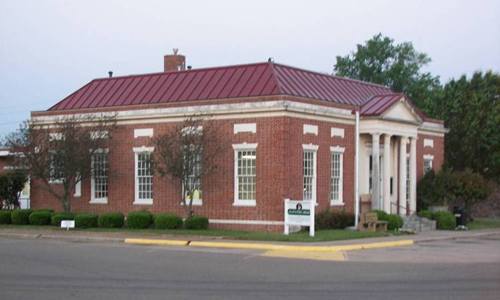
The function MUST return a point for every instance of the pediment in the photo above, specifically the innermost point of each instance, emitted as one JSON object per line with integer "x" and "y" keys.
{"x": 401, "y": 111}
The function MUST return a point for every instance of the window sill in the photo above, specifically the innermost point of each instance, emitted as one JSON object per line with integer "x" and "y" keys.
{"x": 99, "y": 201}
{"x": 336, "y": 203}
{"x": 244, "y": 203}
{"x": 143, "y": 202}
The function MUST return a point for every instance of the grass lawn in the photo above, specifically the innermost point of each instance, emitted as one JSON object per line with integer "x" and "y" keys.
{"x": 484, "y": 223}
{"x": 321, "y": 235}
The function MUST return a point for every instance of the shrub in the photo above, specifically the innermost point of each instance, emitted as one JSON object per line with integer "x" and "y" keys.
{"x": 41, "y": 217}
{"x": 58, "y": 217}
{"x": 167, "y": 221}
{"x": 196, "y": 222}
{"x": 139, "y": 219}
{"x": 45, "y": 210}
{"x": 393, "y": 221}
{"x": 426, "y": 214}
{"x": 85, "y": 220}
{"x": 331, "y": 219}
{"x": 5, "y": 216}
{"x": 111, "y": 220}
{"x": 20, "y": 216}
{"x": 444, "y": 220}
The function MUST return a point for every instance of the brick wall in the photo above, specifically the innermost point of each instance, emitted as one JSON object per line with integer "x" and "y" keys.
{"x": 437, "y": 151}
{"x": 279, "y": 173}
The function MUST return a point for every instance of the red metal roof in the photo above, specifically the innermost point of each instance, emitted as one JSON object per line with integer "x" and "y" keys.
{"x": 252, "y": 80}
{"x": 379, "y": 103}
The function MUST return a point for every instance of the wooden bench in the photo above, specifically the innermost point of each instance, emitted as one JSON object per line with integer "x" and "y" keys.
{"x": 369, "y": 222}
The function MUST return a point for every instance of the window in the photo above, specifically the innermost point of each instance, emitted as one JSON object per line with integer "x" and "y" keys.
{"x": 194, "y": 181}
{"x": 245, "y": 156}
{"x": 336, "y": 178}
{"x": 55, "y": 168}
{"x": 427, "y": 163}
{"x": 99, "y": 183}
{"x": 143, "y": 176}
{"x": 309, "y": 172}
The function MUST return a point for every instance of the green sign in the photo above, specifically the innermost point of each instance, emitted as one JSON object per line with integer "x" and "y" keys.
{"x": 299, "y": 212}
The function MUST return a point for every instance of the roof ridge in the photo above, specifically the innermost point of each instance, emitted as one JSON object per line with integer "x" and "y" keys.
{"x": 183, "y": 71}
{"x": 275, "y": 77}
{"x": 334, "y": 76}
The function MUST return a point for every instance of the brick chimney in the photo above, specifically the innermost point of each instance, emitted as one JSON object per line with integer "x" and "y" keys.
{"x": 174, "y": 62}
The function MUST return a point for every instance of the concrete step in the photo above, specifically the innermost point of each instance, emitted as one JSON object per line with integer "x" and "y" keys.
{"x": 418, "y": 224}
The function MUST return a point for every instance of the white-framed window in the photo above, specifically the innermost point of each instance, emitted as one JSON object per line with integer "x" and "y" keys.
{"x": 309, "y": 172}
{"x": 194, "y": 181}
{"x": 245, "y": 174}
{"x": 143, "y": 176}
{"x": 336, "y": 175}
{"x": 428, "y": 163}
{"x": 99, "y": 179}
{"x": 55, "y": 169}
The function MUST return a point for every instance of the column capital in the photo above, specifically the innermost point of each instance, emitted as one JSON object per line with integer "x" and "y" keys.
{"x": 403, "y": 139}
{"x": 387, "y": 136}
{"x": 375, "y": 134}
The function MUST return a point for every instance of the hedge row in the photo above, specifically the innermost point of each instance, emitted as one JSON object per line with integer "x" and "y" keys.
{"x": 444, "y": 220}
{"x": 333, "y": 219}
{"x": 134, "y": 220}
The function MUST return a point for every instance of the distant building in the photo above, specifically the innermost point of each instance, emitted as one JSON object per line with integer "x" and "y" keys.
{"x": 292, "y": 133}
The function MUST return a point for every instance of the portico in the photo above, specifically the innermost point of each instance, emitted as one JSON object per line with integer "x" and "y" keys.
{"x": 388, "y": 156}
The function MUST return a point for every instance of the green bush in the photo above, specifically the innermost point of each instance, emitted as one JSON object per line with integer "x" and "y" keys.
{"x": 196, "y": 222}
{"x": 5, "y": 216}
{"x": 41, "y": 217}
{"x": 426, "y": 214}
{"x": 20, "y": 216}
{"x": 444, "y": 220}
{"x": 333, "y": 219}
{"x": 111, "y": 220}
{"x": 167, "y": 221}
{"x": 58, "y": 217}
{"x": 393, "y": 221}
{"x": 139, "y": 219}
{"x": 85, "y": 220}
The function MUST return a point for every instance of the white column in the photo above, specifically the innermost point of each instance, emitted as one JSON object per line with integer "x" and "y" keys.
{"x": 413, "y": 175}
{"x": 375, "y": 171}
{"x": 387, "y": 174}
{"x": 402, "y": 175}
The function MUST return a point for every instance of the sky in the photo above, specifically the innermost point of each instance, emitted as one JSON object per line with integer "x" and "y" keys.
{"x": 50, "y": 48}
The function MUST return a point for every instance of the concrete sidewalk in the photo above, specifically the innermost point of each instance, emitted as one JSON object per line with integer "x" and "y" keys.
{"x": 213, "y": 241}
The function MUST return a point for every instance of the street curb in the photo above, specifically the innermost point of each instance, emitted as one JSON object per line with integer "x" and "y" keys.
{"x": 470, "y": 236}
{"x": 61, "y": 237}
{"x": 263, "y": 246}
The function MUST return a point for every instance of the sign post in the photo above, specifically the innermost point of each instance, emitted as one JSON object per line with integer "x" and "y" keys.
{"x": 299, "y": 212}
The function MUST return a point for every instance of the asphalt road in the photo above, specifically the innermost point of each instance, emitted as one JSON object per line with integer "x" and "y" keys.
{"x": 48, "y": 269}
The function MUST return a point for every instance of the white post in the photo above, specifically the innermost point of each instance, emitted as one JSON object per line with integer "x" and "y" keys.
{"x": 387, "y": 174}
{"x": 413, "y": 175}
{"x": 375, "y": 171}
{"x": 311, "y": 222}
{"x": 286, "y": 229}
{"x": 402, "y": 175}
{"x": 356, "y": 173}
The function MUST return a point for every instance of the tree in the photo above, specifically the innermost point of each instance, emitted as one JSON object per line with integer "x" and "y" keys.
{"x": 472, "y": 188}
{"x": 188, "y": 153}
{"x": 398, "y": 66}
{"x": 59, "y": 155}
{"x": 11, "y": 185}
{"x": 437, "y": 189}
{"x": 470, "y": 108}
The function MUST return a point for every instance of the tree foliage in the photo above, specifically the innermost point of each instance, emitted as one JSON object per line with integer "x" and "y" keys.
{"x": 398, "y": 66}
{"x": 11, "y": 185}
{"x": 59, "y": 155}
{"x": 188, "y": 152}
{"x": 471, "y": 110}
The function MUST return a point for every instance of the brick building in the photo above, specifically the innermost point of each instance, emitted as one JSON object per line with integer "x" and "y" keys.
{"x": 292, "y": 132}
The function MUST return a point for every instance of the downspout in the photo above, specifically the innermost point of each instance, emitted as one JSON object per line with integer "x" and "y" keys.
{"x": 356, "y": 172}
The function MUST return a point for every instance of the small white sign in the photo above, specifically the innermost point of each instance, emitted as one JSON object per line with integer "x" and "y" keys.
{"x": 299, "y": 212}
{"x": 67, "y": 224}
